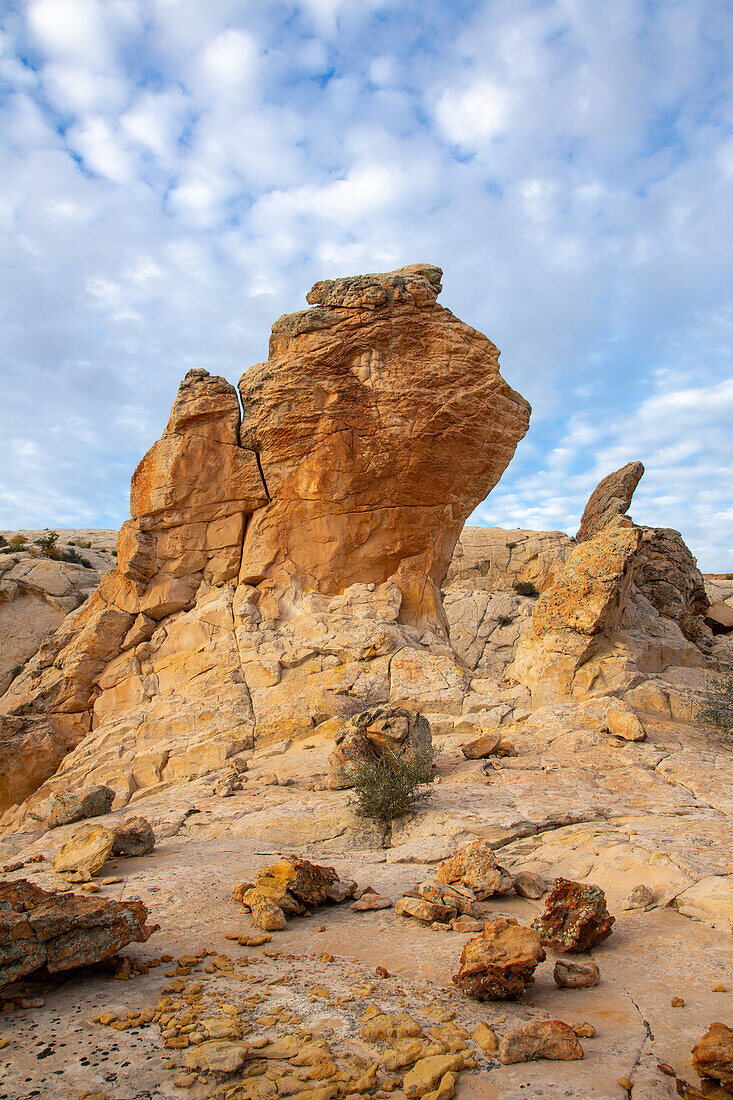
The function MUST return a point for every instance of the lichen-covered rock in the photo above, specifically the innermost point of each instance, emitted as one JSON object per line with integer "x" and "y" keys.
{"x": 62, "y": 931}
{"x": 134, "y": 837}
{"x": 500, "y": 963}
{"x": 610, "y": 498}
{"x": 476, "y": 867}
{"x": 289, "y": 888}
{"x": 569, "y": 974}
{"x": 712, "y": 1056}
{"x": 67, "y": 806}
{"x": 575, "y": 917}
{"x": 551, "y": 1039}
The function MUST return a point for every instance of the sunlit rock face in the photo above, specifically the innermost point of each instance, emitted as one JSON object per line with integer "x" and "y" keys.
{"x": 281, "y": 568}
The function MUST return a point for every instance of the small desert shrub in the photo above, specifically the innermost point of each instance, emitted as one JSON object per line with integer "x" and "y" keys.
{"x": 73, "y": 557}
{"x": 47, "y": 544}
{"x": 716, "y": 713}
{"x": 17, "y": 542}
{"x": 525, "y": 588}
{"x": 390, "y": 786}
{"x": 504, "y": 620}
{"x": 85, "y": 544}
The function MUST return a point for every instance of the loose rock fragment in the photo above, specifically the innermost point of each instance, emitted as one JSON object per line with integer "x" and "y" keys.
{"x": 428, "y": 1072}
{"x": 86, "y": 851}
{"x": 489, "y": 744}
{"x": 134, "y": 837}
{"x": 500, "y": 963}
{"x": 424, "y": 910}
{"x": 639, "y": 898}
{"x": 569, "y": 974}
{"x": 66, "y": 807}
{"x": 218, "y": 1056}
{"x": 529, "y": 885}
{"x": 550, "y": 1039}
{"x": 575, "y": 917}
{"x": 370, "y": 900}
{"x": 486, "y": 1038}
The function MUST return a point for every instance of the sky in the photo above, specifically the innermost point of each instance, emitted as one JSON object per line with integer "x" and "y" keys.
{"x": 176, "y": 174}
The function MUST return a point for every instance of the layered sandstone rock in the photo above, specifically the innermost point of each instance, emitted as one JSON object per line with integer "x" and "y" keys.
{"x": 60, "y": 932}
{"x": 380, "y": 421}
{"x": 283, "y": 572}
{"x": 610, "y": 498}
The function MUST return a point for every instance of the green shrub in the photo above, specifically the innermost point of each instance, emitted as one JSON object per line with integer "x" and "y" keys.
{"x": 17, "y": 542}
{"x": 47, "y": 543}
{"x": 525, "y": 588}
{"x": 390, "y": 786}
{"x": 716, "y": 713}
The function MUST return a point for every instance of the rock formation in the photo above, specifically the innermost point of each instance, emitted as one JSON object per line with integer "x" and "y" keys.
{"x": 610, "y": 498}
{"x": 376, "y": 426}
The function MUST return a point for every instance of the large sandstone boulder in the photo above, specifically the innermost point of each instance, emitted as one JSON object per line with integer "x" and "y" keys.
{"x": 298, "y": 581}
{"x": 500, "y": 963}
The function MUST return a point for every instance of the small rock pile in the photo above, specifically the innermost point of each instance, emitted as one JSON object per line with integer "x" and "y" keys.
{"x": 289, "y": 888}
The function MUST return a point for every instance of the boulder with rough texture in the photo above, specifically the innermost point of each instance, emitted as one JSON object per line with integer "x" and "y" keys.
{"x": 500, "y": 963}
{"x": 575, "y": 917}
{"x": 586, "y": 601}
{"x": 62, "y": 931}
{"x": 357, "y": 418}
{"x": 569, "y": 974}
{"x": 424, "y": 910}
{"x": 551, "y": 1039}
{"x": 289, "y": 888}
{"x": 85, "y": 852}
{"x": 668, "y": 577}
{"x": 610, "y": 498}
{"x": 476, "y": 867}
{"x": 69, "y": 806}
{"x": 641, "y": 897}
{"x": 134, "y": 837}
{"x": 487, "y": 745}
{"x": 712, "y": 1056}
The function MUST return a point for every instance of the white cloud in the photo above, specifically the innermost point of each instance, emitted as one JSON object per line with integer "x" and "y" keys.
{"x": 473, "y": 114}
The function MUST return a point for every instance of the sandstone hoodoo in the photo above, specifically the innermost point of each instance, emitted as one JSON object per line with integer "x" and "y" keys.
{"x": 312, "y": 552}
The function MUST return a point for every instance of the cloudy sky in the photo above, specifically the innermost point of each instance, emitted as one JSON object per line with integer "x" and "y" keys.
{"x": 175, "y": 174}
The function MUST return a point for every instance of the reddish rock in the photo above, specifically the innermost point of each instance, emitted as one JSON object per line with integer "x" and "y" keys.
{"x": 62, "y": 931}
{"x": 550, "y": 1039}
{"x": 500, "y": 963}
{"x": 489, "y": 744}
{"x": 712, "y": 1057}
{"x": 575, "y": 917}
{"x": 134, "y": 837}
{"x": 475, "y": 866}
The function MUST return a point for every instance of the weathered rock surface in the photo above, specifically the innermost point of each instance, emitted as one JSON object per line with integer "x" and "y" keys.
{"x": 570, "y": 974}
{"x": 343, "y": 471}
{"x": 500, "y": 963}
{"x": 134, "y": 837}
{"x": 575, "y": 917}
{"x": 357, "y": 417}
{"x": 610, "y": 498}
{"x": 291, "y": 887}
{"x": 551, "y": 1039}
{"x": 712, "y": 1056}
{"x": 85, "y": 852}
{"x": 475, "y": 867}
{"x": 60, "y": 932}
{"x": 493, "y": 559}
{"x": 669, "y": 578}
{"x": 385, "y": 732}
{"x": 66, "y": 807}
